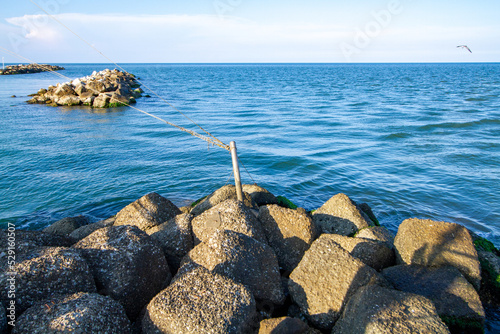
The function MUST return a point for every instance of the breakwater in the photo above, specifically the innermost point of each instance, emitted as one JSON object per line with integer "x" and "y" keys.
{"x": 224, "y": 266}
{"x": 104, "y": 89}
{"x": 30, "y": 68}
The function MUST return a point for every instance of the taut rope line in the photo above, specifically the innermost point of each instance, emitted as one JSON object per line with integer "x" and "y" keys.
{"x": 193, "y": 133}
{"x": 220, "y": 143}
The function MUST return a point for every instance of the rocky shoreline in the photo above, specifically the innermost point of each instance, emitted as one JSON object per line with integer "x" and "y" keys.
{"x": 27, "y": 69}
{"x": 258, "y": 266}
{"x": 104, "y": 89}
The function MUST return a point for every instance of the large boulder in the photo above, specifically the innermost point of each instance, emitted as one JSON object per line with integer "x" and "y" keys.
{"x": 285, "y": 325}
{"x": 490, "y": 286}
{"x": 119, "y": 99}
{"x": 3, "y": 319}
{"x": 376, "y": 310}
{"x": 24, "y": 240}
{"x": 242, "y": 259}
{"x": 87, "y": 230}
{"x": 68, "y": 100}
{"x": 127, "y": 265}
{"x": 175, "y": 237}
{"x": 456, "y": 300}
{"x": 201, "y": 301}
{"x": 64, "y": 90}
{"x": 373, "y": 253}
{"x": 229, "y": 215}
{"x": 434, "y": 244}
{"x": 102, "y": 101}
{"x": 78, "y": 313}
{"x": 40, "y": 272}
{"x": 378, "y": 233}
{"x": 80, "y": 88}
{"x": 221, "y": 195}
{"x": 67, "y": 225}
{"x": 96, "y": 87}
{"x": 259, "y": 195}
{"x": 325, "y": 279}
{"x": 340, "y": 215}
{"x": 289, "y": 232}
{"x": 148, "y": 211}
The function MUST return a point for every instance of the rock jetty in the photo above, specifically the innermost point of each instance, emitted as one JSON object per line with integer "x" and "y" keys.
{"x": 259, "y": 266}
{"x": 31, "y": 68}
{"x": 104, "y": 89}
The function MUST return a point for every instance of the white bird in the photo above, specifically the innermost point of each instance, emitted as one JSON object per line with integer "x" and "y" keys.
{"x": 464, "y": 47}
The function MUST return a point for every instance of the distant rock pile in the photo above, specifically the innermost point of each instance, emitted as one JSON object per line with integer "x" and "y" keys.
{"x": 104, "y": 89}
{"x": 223, "y": 266}
{"x": 31, "y": 68}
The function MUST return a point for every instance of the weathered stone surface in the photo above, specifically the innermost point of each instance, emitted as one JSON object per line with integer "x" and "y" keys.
{"x": 42, "y": 272}
{"x": 229, "y": 215}
{"x": 3, "y": 320}
{"x": 86, "y": 230}
{"x": 378, "y": 233}
{"x": 24, "y": 240}
{"x": 365, "y": 207}
{"x": 242, "y": 259}
{"x": 201, "y": 301}
{"x": 148, "y": 211}
{"x": 259, "y": 195}
{"x": 68, "y": 100}
{"x": 325, "y": 279}
{"x": 490, "y": 285}
{"x": 67, "y": 225}
{"x": 375, "y": 310}
{"x": 454, "y": 297}
{"x": 80, "y": 89}
{"x": 78, "y": 313}
{"x": 175, "y": 237}
{"x": 64, "y": 89}
{"x": 373, "y": 253}
{"x": 289, "y": 232}
{"x": 221, "y": 195}
{"x": 433, "y": 244}
{"x": 96, "y": 87}
{"x": 101, "y": 101}
{"x": 127, "y": 265}
{"x": 340, "y": 215}
{"x": 119, "y": 98}
{"x": 285, "y": 325}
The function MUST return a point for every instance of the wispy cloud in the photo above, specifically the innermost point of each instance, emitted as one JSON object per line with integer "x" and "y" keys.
{"x": 208, "y": 38}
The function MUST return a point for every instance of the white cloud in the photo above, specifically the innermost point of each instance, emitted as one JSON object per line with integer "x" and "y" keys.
{"x": 208, "y": 38}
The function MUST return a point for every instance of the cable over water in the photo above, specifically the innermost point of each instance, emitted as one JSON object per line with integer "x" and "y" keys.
{"x": 214, "y": 140}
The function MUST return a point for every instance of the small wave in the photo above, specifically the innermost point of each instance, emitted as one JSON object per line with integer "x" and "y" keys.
{"x": 478, "y": 99}
{"x": 459, "y": 125}
{"x": 359, "y": 104}
{"x": 398, "y": 135}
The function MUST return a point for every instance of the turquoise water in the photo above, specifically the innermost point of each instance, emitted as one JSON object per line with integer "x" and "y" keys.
{"x": 412, "y": 140}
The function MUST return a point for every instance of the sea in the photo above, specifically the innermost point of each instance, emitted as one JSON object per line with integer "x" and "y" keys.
{"x": 411, "y": 140}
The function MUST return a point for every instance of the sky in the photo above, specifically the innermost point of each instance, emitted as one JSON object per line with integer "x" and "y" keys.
{"x": 250, "y": 31}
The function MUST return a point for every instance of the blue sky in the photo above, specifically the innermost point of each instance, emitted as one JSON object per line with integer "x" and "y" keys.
{"x": 200, "y": 31}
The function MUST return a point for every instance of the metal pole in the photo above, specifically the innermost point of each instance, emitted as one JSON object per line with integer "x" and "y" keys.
{"x": 236, "y": 170}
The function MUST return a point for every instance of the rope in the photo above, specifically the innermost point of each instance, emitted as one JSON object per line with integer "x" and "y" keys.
{"x": 220, "y": 143}
{"x": 247, "y": 171}
{"x": 193, "y": 133}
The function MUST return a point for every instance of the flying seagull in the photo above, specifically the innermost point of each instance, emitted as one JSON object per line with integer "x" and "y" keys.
{"x": 464, "y": 47}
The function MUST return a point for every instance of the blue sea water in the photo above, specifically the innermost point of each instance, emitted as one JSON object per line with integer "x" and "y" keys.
{"x": 411, "y": 140}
